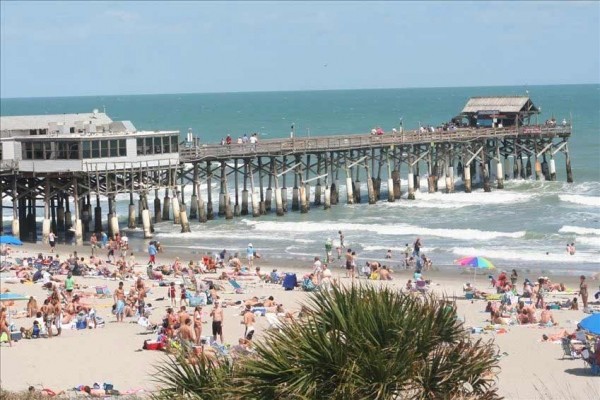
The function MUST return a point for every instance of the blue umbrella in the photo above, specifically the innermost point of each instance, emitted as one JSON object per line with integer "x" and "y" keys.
{"x": 5, "y": 239}
{"x": 591, "y": 324}
{"x": 8, "y": 296}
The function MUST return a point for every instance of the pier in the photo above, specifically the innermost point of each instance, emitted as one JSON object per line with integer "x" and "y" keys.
{"x": 62, "y": 174}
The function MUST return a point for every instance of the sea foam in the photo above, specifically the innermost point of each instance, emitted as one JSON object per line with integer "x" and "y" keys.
{"x": 592, "y": 201}
{"x": 579, "y": 230}
{"x": 517, "y": 254}
{"x": 395, "y": 230}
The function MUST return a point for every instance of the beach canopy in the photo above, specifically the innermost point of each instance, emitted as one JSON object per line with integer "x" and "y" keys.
{"x": 591, "y": 324}
{"x": 475, "y": 262}
{"x": 9, "y": 296}
{"x": 5, "y": 239}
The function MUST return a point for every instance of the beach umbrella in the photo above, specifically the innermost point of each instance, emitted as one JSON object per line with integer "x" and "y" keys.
{"x": 5, "y": 239}
{"x": 475, "y": 263}
{"x": 591, "y": 324}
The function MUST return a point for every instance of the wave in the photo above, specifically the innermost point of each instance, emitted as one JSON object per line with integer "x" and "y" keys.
{"x": 579, "y": 230}
{"x": 590, "y": 241}
{"x": 460, "y": 200}
{"x": 592, "y": 201}
{"x": 396, "y": 250}
{"x": 516, "y": 254}
{"x": 395, "y": 230}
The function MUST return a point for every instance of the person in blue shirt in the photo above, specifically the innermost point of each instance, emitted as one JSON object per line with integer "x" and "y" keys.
{"x": 250, "y": 255}
{"x": 103, "y": 238}
{"x": 152, "y": 253}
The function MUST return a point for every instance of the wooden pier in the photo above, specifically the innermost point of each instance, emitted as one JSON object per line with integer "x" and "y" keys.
{"x": 254, "y": 178}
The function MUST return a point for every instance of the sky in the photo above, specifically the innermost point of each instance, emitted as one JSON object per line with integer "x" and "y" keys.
{"x": 71, "y": 48}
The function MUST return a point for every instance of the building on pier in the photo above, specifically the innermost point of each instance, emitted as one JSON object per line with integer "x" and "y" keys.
{"x": 498, "y": 111}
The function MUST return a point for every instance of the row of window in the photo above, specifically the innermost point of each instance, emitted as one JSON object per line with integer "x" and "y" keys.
{"x": 157, "y": 145}
{"x": 77, "y": 150}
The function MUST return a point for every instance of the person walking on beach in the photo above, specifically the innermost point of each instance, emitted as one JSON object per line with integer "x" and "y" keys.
{"x": 152, "y": 253}
{"x": 119, "y": 298}
{"x": 249, "y": 321}
{"x": 217, "y": 323}
{"x": 69, "y": 286}
{"x": 172, "y": 294}
{"x": 250, "y": 255}
{"x": 583, "y": 292}
{"x": 52, "y": 241}
{"x": 341, "y": 239}
{"x": 93, "y": 243}
{"x": 417, "y": 248}
{"x": 328, "y": 248}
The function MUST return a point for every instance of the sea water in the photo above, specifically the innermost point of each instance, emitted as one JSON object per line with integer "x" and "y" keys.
{"x": 526, "y": 225}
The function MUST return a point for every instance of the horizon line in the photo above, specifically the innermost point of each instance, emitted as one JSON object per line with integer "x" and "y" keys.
{"x": 298, "y": 90}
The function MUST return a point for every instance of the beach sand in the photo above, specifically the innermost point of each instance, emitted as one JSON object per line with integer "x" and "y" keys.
{"x": 529, "y": 367}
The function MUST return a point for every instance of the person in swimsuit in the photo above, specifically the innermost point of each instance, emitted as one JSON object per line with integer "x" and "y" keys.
{"x": 183, "y": 295}
{"x": 173, "y": 294}
{"x": 217, "y": 324}
{"x": 52, "y": 241}
{"x": 349, "y": 260}
{"x": 4, "y": 325}
{"x": 583, "y": 291}
{"x": 198, "y": 323}
{"x": 249, "y": 321}
{"x": 119, "y": 298}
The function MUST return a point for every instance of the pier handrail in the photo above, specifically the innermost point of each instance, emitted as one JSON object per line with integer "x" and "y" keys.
{"x": 358, "y": 141}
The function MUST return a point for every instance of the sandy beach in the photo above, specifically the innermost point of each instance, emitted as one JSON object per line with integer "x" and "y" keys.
{"x": 530, "y": 368}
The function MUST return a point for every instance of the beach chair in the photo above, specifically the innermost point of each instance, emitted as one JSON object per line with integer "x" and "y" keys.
{"x": 236, "y": 286}
{"x": 588, "y": 359}
{"x": 568, "y": 349}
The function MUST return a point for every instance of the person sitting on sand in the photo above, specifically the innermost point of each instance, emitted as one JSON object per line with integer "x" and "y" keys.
{"x": 45, "y": 392}
{"x": 270, "y": 302}
{"x": 498, "y": 319}
{"x": 409, "y": 285}
{"x": 546, "y": 317}
{"x": 384, "y": 274}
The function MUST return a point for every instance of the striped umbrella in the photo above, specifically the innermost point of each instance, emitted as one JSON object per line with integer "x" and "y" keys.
{"x": 475, "y": 263}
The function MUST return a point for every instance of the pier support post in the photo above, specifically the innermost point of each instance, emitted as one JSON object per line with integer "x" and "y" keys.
{"x": 68, "y": 218}
{"x": 245, "y": 191}
{"x": 185, "y": 224}
{"x": 335, "y": 183}
{"x": 254, "y": 195}
{"x": 97, "y": 215}
{"x": 228, "y": 208}
{"x": 430, "y": 175}
{"x": 236, "y": 209}
{"x": 86, "y": 215}
{"x": 295, "y": 201}
{"x": 528, "y": 169}
{"x": 485, "y": 169}
{"x": 371, "y": 192}
{"x": 176, "y": 208}
{"x": 269, "y": 195}
{"x": 194, "y": 199}
{"x": 131, "y": 219}
{"x": 396, "y": 188}
{"x": 209, "y": 204}
{"x": 166, "y": 206}
{"x": 568, "y": 165}
{"x": 60, "y": 213}
{"x": 78, "y": 224}
{"x": 157, "y": 210}
{"x": 201, "y": 209}
{"x": 222, "y": 190}
{"x": 327, "y": 196}
{"x": 284, "y": 193}
{"x": 278, "y": 192}
{"x": 467, "y": 178}
{"x": 545, "y": 170}
{"x": 538, "y": 168}
{"x": 46, "y": 222}
{"x": 260, "y": 185}
{"x": 417, "y": 176}
{"x": 411, "y": 181}
{"x": 552, "y": 168}
{"x": 303, "y": 202}
{"x": 499, "y": 171}
{"x": 114, "y": 219}
{"x": 146, "y": 223}
{"x": 53, "y": 213}
{"x": 349, "y": 191}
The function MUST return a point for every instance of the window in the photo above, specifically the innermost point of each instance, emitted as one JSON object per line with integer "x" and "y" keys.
{"x": 62, "y": 148}
{"x": 174, "y": 144}
{"x": 140, "y": 147}
{"x": 122, "y": 148}
{"x": 96, "y": 149}
{"x": 48, "y": 153}
{"x": 87, "y": 149}
{"x": 166, "y": 144}
{"x": 103, "y": 148}
{"x": 43, "y": 131}
{"x": 33, "y": 131}
{"x": 149, "y": 147}
{"x": 114, "y": 148}
{"x": 73, "y": 150}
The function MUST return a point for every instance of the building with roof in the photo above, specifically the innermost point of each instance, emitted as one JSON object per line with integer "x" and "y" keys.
{"x": 80, "y": 142}
{"x": 498, "y": 111}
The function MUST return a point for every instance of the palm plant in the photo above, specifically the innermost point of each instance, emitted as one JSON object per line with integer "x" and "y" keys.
{"x": 370, "y": 343}
{"x": 187, "y": 376}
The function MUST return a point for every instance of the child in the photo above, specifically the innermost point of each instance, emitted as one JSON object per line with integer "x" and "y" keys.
{"x": 172, "y": 294}
{"x": 183, "y": 295}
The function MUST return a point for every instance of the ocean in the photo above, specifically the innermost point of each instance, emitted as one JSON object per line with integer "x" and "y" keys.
{"x": 527, "y": 225}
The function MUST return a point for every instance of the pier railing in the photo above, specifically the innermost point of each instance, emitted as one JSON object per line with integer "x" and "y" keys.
{"x": 271, "y": 147}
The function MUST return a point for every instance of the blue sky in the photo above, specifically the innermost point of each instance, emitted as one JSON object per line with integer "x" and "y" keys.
{"x": 93, "y": 48}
